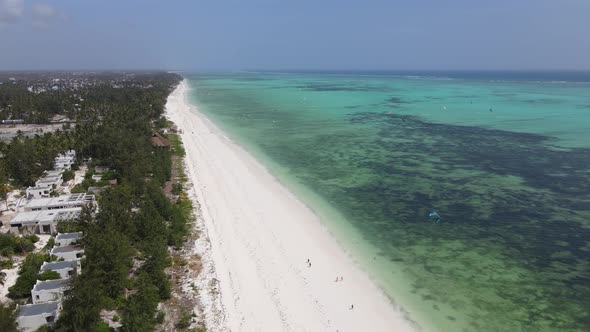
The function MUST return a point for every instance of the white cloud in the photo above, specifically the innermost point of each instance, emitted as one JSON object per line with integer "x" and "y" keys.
{"x": 43, "y": 11}
{"x": 11, "y": 10}
{"x": 43, "y": 15}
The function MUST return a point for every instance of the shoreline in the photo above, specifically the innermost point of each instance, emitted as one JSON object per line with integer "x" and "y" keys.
{"x": 261, "y": 236}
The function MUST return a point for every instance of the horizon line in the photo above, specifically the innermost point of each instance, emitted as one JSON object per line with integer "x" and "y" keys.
{"x": 177, "y": 70}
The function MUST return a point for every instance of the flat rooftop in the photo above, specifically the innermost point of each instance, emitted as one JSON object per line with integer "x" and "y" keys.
{"x": 66, "y": 249}
{"x": 69, "y": 236}
{"x": 45, "y": 216}
{"x": 52, "y": 173}
{"x": 50, "y": 284}
{"x": 38, "y": 309}
{"x": 72, "y": 199}
{"x": 46, "y": 181}
{"x": 58, "y": 265}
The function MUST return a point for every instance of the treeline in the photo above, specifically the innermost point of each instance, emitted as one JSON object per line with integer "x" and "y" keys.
{"x": 20, "y": 103}
{"x": 36, "y": 98}
{"x": 25, "y": 158}
{"x": 127, "y": 242}
{"x": 115, "y": 131}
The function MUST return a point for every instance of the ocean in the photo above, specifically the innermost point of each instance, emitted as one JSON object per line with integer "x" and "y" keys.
{"x": 502, "y": 157}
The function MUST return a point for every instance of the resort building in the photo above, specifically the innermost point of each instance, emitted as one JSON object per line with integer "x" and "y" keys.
{"x": 66, "y": 239}
{"x": 45, "y": 185}
{"x": 65, "y": 160}
{"x": 13, "y": 121}
{"x": 160, "y": 142}
{"x": 33, "y": 316}
{"x": 42, "y": 222}
{"x": 50, "y": 181}
{"x": 94, "y": 190}
{"x": 38, "y": 192}
{"x": 61, "y": 202}
{"x": 100, "y": 169}
{"x": 65, "y": 269}
{"x": 49, "y": 290}
{"x": 68, "y": 253}
{"x": 53, "y": 173}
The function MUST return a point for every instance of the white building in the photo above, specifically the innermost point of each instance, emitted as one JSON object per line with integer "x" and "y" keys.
{"x": 65, "y": 160}
{"x": 50, "y": 178}
{"x": 61, "y": 202}
{"x": 100, "y": 169}
{"x": 38, "y": 192}
{"x": 49, "y": 290}
{"x": 45, "y": 184}
{"x": 68, "y": 253}
{"x": 42, "y": 222}
{"x": 33, "y": 316}
{"x": 66, "y": 239}
{"x": 53, "y": 173}
{"x": 65, "y": 269}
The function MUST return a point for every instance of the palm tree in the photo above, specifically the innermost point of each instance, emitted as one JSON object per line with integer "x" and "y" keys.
{"x": 4, "y": 190}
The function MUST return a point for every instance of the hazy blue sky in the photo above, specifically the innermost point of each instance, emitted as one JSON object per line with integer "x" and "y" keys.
{"x": 295, "y": 34}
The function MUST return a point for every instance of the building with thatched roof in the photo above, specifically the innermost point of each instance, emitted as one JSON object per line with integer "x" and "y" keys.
{"x": 160, "y": 142}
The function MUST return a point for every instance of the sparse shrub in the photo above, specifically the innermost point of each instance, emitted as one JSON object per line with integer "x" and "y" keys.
{"x": 160, "y": 317}
{"x": 48, "y": 275}
{"x": 185, "y": 320}
{"x": 177, "y": 188}
{"x": 6, "y": 264}
{"x": 67, "y": 175}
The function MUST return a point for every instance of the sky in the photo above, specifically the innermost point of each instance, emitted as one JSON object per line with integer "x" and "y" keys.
{"x": 295, "y": 34}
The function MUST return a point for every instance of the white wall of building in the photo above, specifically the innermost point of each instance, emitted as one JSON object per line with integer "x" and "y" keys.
{"x": 46, "y": 295}
{"x": 62, "y": 242}
{"x": 38, "y": 192}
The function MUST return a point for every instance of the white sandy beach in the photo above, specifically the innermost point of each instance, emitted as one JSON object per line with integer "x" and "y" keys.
{"x": 261, "y": 237}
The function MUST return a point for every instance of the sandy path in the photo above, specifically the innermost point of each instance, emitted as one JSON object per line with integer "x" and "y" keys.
{"x": 261, "y": 237}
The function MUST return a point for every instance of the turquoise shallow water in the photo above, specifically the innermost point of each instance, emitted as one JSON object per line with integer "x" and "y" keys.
{"x": 505, "y": 162}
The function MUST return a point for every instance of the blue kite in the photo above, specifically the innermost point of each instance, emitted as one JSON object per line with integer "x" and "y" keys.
{"x": 435, "y": 217}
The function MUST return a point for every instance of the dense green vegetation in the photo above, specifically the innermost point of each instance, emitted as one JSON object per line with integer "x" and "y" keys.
{"x": 27, "y": 275}
{"x": 25, "y": 158}
{"x": 36, "y": 97}
{"x": 7, "y": 319}
{"x": 126, "y": 243}
{"x": 11, "y": 244}
{"x": 126, "y": 248}
{"x": 67, "y": 175}
{"x": 112, "y": 121}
